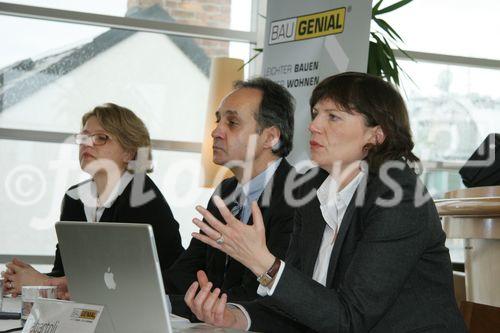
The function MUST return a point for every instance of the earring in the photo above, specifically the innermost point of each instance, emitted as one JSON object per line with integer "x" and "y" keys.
{"x": 276, "y": 146}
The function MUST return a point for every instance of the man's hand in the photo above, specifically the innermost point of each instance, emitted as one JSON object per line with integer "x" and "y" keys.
{"x": 19, "y": 274}
{"x": 209, "y": 308}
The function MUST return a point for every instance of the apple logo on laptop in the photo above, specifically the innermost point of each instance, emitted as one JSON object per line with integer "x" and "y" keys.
{"x": 109, "y": 279}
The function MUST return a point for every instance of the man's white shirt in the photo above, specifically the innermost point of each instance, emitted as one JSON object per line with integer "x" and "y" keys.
{"x": 252, "y": 190}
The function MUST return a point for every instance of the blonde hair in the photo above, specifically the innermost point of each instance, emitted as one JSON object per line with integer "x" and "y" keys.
{"x": 128, "y": 130}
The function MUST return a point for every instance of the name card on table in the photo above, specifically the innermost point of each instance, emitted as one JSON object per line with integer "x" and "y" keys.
{"x": 55, "y": 316}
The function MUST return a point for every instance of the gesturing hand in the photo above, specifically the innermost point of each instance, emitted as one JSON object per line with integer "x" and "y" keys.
{"x": 245, "y": 243}
{"x": 19, "y": 274}
{"x": 209, "y": 307}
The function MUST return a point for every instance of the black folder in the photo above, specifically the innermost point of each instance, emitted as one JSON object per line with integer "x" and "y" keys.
{"x": 483, "y": 167}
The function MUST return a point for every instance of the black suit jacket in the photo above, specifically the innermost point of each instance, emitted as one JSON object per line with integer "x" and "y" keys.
{"x": 389, "y": 270}
{"x": 155, "y": 212}
{"x": 238, "y": 282}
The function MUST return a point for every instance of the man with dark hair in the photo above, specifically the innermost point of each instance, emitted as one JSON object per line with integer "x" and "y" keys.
{"x": 367, "y": 254}
{"x": 253, "y": 136}
{"x": 276, "y": 109}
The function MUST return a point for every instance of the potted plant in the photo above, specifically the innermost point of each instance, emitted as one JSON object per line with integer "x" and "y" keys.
{"x": 381, "y": 59}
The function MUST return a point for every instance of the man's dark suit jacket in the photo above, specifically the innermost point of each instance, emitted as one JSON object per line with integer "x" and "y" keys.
{"x": 389, "y": 270}
{"x": 238, "y": 282}
{"x": 155, "y": 212}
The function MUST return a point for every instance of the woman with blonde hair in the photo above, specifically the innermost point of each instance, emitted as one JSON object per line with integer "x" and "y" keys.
{"x": 115, "y": 150}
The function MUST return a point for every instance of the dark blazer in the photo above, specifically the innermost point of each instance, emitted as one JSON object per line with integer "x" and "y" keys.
{"x": 389, "y": 269}
{"x": 155, "y": 212}
{"x": 238, "y": 282}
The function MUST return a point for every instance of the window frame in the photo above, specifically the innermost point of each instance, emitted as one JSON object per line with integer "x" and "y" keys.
{"x": 134, "y": 24}
{"x": 255, "y": 38}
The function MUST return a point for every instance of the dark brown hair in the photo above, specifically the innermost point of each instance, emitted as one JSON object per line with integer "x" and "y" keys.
{"x": 380, "y": 104}
{"x": 276, "y": 109}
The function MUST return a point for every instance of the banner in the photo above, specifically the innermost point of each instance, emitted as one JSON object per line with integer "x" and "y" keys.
{"x": 307, "y": 41}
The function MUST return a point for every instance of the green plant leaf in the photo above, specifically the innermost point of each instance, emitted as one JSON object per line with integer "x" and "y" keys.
{"x": 405, "y": 53}
{"x": 390, "y": 54}
{"x": 386, "y": 58}
{"x": 259, "y": 51}
{"x": 375, "y": 8}
{"x": 394, "y": 6}
{"x": 382, "y": 25}
{"x": 374, "y": 67}
{"x": 381, "y": 59}
{"x": 388, "y": 29}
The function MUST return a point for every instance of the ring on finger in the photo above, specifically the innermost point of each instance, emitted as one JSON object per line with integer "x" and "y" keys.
{"x": 220, "y": 240}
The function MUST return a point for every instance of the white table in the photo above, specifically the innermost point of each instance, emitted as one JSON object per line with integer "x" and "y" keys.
{"x": 473, "y": 214}
{"x": 178, "y": 324}
{"x": 11, "y": 305}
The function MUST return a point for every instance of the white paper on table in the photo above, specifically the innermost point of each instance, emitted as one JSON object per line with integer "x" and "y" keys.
{"x": 56, "y": 316}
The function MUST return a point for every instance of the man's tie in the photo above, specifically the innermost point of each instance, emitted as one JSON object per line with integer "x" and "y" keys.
{"x": 236, "y": 209}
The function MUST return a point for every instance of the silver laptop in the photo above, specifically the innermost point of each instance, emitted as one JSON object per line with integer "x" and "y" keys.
{"x": 115, "y": 265}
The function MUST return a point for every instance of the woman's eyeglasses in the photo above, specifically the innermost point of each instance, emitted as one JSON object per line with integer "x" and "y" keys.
{"x": 97, "y": 139}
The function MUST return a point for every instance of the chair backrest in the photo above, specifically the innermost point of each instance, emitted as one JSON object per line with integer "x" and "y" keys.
{"x": 481, "y": 318}
{"x": 459, "y": 286}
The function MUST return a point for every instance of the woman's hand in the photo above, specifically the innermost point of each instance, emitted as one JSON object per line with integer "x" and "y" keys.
{"x": 210, "y": 308}
{"x": 62, "y": 287}
{"x": 19, "y": 274}
{"x": 245, "y": 243}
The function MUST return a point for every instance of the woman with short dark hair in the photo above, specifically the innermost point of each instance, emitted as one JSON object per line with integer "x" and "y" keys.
{"x": 367, "y": 252}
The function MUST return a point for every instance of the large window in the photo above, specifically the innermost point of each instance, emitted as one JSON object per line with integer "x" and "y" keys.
{"x": 35, "y": 176}
{"x": 452, "y": 108}
{"x": 54, "y": 68}
{"x": 226, "y": 14}
{"x": 154, "y": 56}
{"x": 454, "y": 27}
{"x": 449, "y": 87}
{"x": 163, "y": 78}
{"x": 451, "y": 91}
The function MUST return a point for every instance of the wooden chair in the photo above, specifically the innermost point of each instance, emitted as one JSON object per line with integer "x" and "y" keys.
{"x": 480, "y": 318}
{"x": 459, "y": 287}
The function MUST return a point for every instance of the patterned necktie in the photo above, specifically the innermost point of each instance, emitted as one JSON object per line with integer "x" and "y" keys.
{"x": 236, "y": 209}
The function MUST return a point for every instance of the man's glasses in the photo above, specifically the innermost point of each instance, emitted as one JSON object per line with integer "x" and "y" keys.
{"x": 97, "y": 139}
